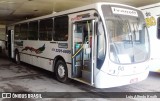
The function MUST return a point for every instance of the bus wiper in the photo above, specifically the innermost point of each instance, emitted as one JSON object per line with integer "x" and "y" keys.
{"x": 129, "y": 33}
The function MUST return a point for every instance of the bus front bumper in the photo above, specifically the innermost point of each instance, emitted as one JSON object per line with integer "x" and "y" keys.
{"x": 104, "y": 80}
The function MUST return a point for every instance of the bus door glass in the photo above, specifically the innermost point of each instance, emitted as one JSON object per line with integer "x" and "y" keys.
{"x": 82, "y": 50}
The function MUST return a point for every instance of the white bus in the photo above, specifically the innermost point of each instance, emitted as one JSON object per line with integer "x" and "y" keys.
{"x": 103, "y": 44}
{"x": 152, "y": 17}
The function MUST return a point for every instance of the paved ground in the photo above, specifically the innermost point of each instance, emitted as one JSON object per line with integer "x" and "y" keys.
{"x": 26, "y": 78}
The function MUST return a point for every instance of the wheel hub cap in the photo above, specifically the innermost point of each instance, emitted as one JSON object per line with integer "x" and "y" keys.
{"x": 61, "y": 71}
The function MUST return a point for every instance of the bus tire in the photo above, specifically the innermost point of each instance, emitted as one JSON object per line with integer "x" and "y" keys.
{"x": 17, "y": 58}
{"x": 61, "y": 71}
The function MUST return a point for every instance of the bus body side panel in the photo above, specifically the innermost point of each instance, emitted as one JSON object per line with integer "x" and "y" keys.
{"x": 42, "y": 53}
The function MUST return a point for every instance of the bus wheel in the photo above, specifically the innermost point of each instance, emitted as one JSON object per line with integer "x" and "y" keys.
{"x": 61, "y": 71}
{"x": 17, "y": 57}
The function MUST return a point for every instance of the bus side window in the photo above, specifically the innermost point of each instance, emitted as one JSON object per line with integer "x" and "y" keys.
{"x": 17, "y": 32}
{"x": 61, "y": 28}
{"x": 23, "y": 31}
{"x": 45, "y": 29}
{"x": 33, "y": 30}
{"x": 158, "y": 28}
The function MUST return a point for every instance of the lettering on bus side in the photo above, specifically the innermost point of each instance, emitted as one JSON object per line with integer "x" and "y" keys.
{"x": 61, "y": 51}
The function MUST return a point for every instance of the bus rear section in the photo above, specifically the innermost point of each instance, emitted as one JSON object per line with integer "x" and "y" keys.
{"x": 152, "y": 18}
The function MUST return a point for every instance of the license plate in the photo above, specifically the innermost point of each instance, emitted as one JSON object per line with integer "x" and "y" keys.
{"x": 134, "y": 80}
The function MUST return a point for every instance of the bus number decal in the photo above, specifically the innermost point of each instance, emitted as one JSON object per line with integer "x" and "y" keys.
{"x": 61, "y": 51}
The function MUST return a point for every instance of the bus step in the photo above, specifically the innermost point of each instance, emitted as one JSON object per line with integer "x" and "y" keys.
{"x": 87, "y": 65}
{"x": 82, "y": 80}
{"x": 86, "y": 75}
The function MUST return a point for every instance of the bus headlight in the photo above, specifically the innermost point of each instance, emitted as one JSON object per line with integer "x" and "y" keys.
{"x": 113, "y": 72}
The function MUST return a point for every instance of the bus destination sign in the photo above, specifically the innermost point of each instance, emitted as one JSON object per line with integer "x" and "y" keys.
{"x": 123, "y": 11}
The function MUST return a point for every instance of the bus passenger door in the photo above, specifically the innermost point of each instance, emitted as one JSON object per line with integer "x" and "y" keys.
{"x": 82, "y": 51}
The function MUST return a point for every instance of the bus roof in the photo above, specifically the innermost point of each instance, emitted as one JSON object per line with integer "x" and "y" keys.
{"x": 74, "y": 10}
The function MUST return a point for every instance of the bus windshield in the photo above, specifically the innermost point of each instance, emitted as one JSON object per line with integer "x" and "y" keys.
{"x": 128, "y": 37}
